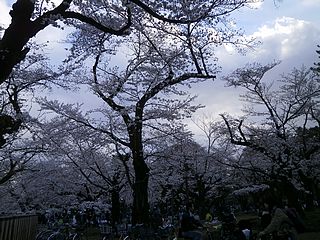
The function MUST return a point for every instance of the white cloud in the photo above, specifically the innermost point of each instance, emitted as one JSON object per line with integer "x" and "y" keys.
{"x": 5, "y": 18}
{"x": 311, "y": 2}
{"x": 282, "y": 25}
{"x": 256, "y": 5}
{"x": 287, "y": 38}
{"x": 54, "y": 38}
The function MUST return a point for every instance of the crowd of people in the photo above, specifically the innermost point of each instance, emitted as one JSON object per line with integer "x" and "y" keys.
{"x": 73, "y": 216}
{"x": 274, "y": 219}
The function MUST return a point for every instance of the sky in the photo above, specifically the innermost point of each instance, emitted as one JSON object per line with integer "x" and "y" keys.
{"x": 289, "y": 31}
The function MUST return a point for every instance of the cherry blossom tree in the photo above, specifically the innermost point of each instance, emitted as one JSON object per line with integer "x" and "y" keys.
{"x": 277, "y": 150}
{"x": 49, "y": 182}
{"x": 170, "y": 44}
{"x": 18, "y": 148}
{"x": 224, "y": 156}
{"x": 184, "y": 174}
{"x": 112, "y": 18}
{"x": 165, "y": 54}
{"x": 316, "y": 67}
{"x": 92, "y": 156}
{"x": 213, "y": 130}
{"x": 135, "y": 110}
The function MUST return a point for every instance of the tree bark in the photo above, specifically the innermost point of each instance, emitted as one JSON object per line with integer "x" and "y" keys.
{"x": 13, "y": 43}
{"x": 115, "y": 209}
{"x": 140, "y": 208}
{"x": 140, "y": 211}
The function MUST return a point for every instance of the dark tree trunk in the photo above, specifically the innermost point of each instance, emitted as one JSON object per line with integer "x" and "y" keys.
{"x": 140, "y": 208}
{"x": 16, "y": 36}
{"x": 200, "y": 198}
{"x": 140, "y": 211}
{"x": 292, "y": 195}
{"x": 115, "y": 209}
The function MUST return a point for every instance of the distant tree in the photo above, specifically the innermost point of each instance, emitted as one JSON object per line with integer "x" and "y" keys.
{"x": 91, "y": 156}
{"x": 223, "y": 155}
{"x": 273, "y": 152}
{"x": 211, "y": 128}
{"x": 316, "y": 67}
{"x": 46, "y": 184}
{"x": 183, "y": 174}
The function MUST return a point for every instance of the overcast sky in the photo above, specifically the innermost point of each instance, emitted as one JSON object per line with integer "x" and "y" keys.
{"x": 289, "y": 31}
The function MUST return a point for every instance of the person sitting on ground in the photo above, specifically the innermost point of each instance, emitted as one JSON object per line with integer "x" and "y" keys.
{"x": 189, "y": 227}
{"x": 280, "y": 224}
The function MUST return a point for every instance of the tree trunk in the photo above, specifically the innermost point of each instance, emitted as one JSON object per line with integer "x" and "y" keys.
{"x": 115, "y": 209}
{"x": 140, "y": 208}
{"x": 16, "y": 36}
{"x": 13, "y": 45}
{"x": 140, "y": 211}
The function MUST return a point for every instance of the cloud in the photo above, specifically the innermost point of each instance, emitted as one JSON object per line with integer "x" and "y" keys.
{"x": 54, "y": 38}
{"x": 311, "y": 3}
{"x": 286, "y": 38}
{"x": 5, "y": 18}
{"x": 256, "y": 5}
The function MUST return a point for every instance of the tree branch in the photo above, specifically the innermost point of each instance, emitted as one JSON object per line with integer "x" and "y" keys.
{"x": 120, "y": 32}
